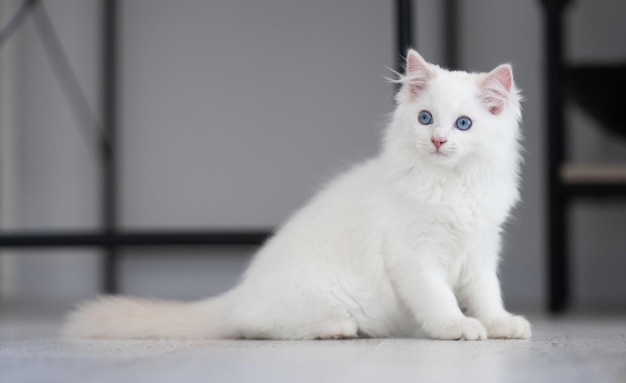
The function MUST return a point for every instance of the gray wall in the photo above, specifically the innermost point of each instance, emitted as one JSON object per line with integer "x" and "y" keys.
{"x": 233, "y": 112}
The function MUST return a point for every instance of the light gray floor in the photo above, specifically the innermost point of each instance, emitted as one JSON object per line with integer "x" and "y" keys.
{"x": 565, "y": 350}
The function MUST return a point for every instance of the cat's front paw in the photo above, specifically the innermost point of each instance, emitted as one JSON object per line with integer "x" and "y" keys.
{"x": 463, "y": 328}
{"x": 508, "y": 327}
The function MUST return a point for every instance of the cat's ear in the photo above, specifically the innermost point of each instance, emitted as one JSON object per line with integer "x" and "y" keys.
{"x": 495, "y": 88}
{"x": 418, "y": 73}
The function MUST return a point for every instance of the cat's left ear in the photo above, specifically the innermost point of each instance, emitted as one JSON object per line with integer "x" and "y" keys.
{"x": 495, "y": 88}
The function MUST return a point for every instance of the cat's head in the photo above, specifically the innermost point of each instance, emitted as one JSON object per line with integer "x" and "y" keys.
{"x": 449, "y": 118}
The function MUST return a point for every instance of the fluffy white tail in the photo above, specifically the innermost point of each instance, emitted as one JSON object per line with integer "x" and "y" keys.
{"x": 124, "y": 317}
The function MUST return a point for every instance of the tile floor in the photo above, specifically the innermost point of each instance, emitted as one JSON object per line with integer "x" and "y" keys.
{"x": 563, "y": 350}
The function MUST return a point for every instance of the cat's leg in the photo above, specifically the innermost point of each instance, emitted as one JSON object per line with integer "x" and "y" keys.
{"x": 278, "y": 328}
{"x": 287, "y": 326}
{"x": 292, "y": 315}
{"x": 480, "y": 293}
{"x": 422, "y": 285}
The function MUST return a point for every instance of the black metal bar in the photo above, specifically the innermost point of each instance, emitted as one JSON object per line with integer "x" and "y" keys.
{"x": 108, "y": 87}
{"x": 595, "y": 190}
{"x": 404, "y": 31}
{"x": 558, "y": 266}
{"x": 451, "y": 34}
{"x": 146, "y": 238}
{"x": 16, "y": 21}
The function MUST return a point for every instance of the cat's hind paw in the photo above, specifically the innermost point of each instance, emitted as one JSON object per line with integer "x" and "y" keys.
{"x": 508, "y": 327}
{"x": 462, "y": 329}
{"x": 337, "y": 329}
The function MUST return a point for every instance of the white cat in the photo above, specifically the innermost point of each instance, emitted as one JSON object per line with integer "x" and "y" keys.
{"x": 408, "y": 240}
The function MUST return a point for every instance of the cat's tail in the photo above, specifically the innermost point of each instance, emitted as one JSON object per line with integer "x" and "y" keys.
{"x": 125, "y": 317}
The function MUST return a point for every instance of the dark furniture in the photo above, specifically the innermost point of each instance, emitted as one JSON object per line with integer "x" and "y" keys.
{"x": 567, "y": 182}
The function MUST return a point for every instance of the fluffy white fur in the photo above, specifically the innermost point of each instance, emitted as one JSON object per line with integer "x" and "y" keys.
{"x": 408, "y": 240}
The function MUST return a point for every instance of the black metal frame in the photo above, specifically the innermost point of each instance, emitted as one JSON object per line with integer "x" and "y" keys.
{"x": 450, "y": 32}
{"x": 404, "y": 31}
{"x": 110, "y": 239}
{"x": 109, "y": 145}
{"x": 558, "y": 283}
{"x": 137, "y": 238}
{"x": 560, "y": 193}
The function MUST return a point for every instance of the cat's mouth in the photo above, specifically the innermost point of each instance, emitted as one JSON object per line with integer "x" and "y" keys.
{"x": 443, "y": 158}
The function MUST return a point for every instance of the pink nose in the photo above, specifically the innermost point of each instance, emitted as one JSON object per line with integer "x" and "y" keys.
{"x": 438, "y": 142}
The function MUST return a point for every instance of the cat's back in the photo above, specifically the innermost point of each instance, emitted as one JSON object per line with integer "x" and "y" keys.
{"x": 327, "y": 244}
{"x": 344, "y": 202}
{"x": 334, "y": 224}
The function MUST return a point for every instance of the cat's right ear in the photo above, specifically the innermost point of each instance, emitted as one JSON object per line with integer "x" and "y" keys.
{"x": 418, "y": 73}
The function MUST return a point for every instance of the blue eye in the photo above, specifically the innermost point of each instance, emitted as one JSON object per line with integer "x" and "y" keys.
{"x": 425, "y": 118}
{"x": 463, "y": 123}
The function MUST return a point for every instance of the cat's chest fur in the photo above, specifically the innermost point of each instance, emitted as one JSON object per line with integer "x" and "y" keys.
{"x": 445, "y": 220}
{"x": 460, "y": 206}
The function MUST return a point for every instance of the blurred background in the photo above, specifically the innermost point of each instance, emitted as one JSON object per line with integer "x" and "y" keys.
{"x": 232, "y": 113}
